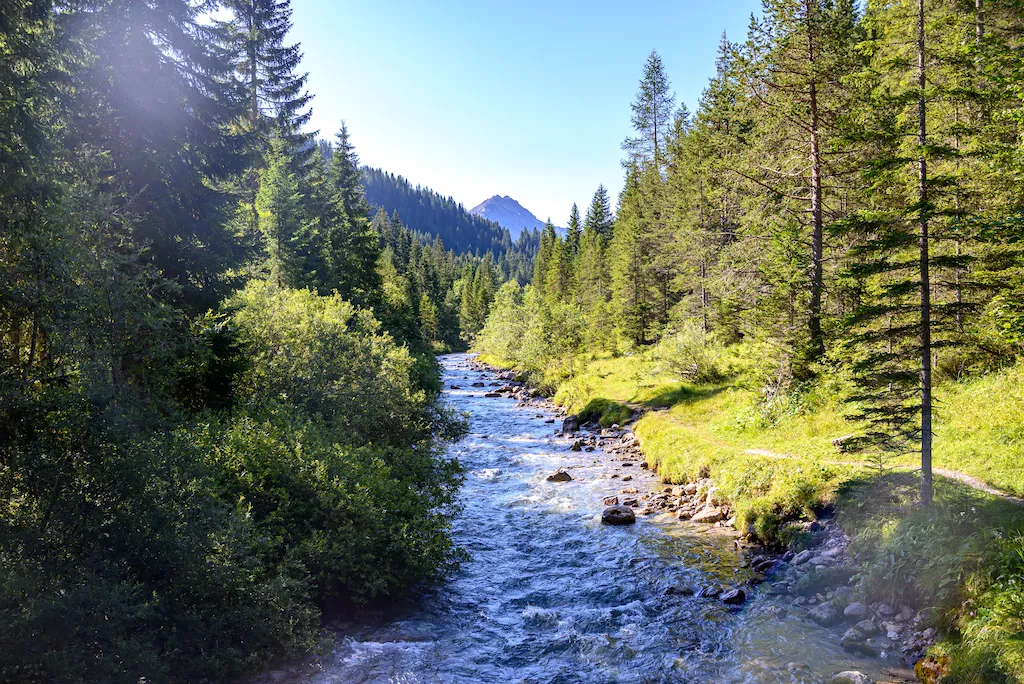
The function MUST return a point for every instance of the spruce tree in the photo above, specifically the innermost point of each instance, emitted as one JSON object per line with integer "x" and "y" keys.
{"x": 652, "y": 115}
{"x": 599, "y": 215}
{"x": 574, "y": 232}
{"x": 352, "y": 248}
{"x": 266, "y": 71}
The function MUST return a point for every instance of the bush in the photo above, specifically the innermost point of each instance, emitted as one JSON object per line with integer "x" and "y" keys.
{"x": 360, "y": 521}
{"x": 333, "y": 361}
{"x": 691, "y": 355}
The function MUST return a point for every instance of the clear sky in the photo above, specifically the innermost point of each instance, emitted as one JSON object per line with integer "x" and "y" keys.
{"x": 529, "y": 99}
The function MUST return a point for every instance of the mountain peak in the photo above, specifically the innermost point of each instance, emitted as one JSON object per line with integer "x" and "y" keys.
{"x": 509, "y": 213}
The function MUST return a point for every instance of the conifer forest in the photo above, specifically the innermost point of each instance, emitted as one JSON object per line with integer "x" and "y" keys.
{"x": 227, "y": 414}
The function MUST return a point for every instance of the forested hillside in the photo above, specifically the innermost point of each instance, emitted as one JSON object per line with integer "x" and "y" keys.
{"x": 219, "y": 406}
{"x": 827, "y": 244}
{"x": 429, "y": 213}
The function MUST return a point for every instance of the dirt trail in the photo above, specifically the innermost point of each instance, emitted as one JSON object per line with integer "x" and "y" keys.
{"x": 962, "y": 478}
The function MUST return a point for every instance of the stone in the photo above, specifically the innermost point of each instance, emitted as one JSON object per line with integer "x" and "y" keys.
{"x": 618, "y": 515}
{"x": 858, "y": 647}
{"x": 850, "y": 677}
{"x": 492, "y": 395}
{"x": 734, "y": 597}
{"x": 708, "y": 515}
{"x": 560, "y": 476}
{"x": 824, "y": 614}
{"x": 802, "y": 557}
{"x": 856, "y": 611}
{"x": 571, "y": 424}
{"x": 885, "y": 610}
{"x": 627, "y": 478}
{"x": 680, "y": 591}
{"x": 611, "y": 501}
{"x": 455, "y": 387}
{"x": 479, "y": 384}
{"x": 577, "y": 445}
{"x": 867, "y": 628}
{"x": 690, "y": 488}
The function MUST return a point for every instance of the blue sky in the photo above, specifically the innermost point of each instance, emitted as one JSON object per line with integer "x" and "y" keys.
{"x": 528, "y": 99}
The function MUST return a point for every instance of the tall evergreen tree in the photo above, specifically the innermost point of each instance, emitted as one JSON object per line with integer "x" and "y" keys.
{"x": 652, "y": 115}
{"x": 599, "y": 215}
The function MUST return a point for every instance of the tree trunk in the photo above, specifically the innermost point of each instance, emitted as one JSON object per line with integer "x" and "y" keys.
{"x": 817, "y": 343}
{"x": 926, "y": 341}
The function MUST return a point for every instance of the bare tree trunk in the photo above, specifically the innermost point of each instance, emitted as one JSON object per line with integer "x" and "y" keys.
{"x": 926, "y": 328}
{"x": 817, "y": 343}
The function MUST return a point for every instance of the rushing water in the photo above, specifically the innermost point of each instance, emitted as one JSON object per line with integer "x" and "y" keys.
{"x": 552, "y": 595}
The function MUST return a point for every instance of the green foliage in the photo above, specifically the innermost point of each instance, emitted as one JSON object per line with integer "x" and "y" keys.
{"x": 691, "y": 355}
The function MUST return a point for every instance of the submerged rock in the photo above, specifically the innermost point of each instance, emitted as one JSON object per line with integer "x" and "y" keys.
{"x": 734, "y": 597}
{"x": 618, "y": 515}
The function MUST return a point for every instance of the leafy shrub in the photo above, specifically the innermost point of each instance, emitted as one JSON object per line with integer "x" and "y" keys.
{"x": 692, "y": 355}
{"x": 361, "y": 521}
{"x": 333, "y": 361}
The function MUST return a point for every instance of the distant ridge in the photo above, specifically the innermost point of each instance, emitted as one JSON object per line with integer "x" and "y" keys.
{"x": 434, "y": 215}
{"x": 508, "y": 213}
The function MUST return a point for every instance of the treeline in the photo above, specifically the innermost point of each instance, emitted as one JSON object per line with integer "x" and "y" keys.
{"x": 218, "y": 402}
{"x": 438, "y": 296}
{"x": 848, "y": 193}
{"x": 432, "y": 215}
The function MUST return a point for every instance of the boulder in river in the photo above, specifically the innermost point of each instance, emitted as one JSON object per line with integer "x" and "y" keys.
{"x": 611, "y": 501}
{"x": 850, "y": 677}
{"x": 856, "y": 611}
{"x": 560, "y": 476}
{"x": 708, "y": 515}
{"x": 618, "y": 515}
{"x": 825, "y": 614}
{"x": 492, "y": 395}
{"x": 734, "y": 597}
{"x": 576, "y": 446}
{"x": 571, "y": 424}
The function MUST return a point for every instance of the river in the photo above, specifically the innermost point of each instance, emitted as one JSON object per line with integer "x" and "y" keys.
{"x": 549, "y": 594}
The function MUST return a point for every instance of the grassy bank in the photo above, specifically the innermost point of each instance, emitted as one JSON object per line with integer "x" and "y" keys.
{"x": 777, "y": 460}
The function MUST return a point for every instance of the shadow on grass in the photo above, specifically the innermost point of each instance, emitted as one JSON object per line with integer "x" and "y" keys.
{"x": 667, "y": 396}
{"x": 896, "y": 495}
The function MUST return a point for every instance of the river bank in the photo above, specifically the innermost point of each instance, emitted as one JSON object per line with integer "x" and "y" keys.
{"x": 810, "y": 503}
{"x": 815, "y": 579}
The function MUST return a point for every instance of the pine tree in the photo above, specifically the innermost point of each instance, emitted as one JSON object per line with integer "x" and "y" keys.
{"x": 291, "y": 247}
{"x": 574, "y": 232}
{"x": 599, "y": 215}
{"x": 629, "y": 254}
{"x": 797, "y": 59}
{"x": 265, "y": 68}
{"x": 652, "y": 115}
{"x": 352, "y": 247}
{"x": 896, "y": 322}
{"x": 165, "y": 144}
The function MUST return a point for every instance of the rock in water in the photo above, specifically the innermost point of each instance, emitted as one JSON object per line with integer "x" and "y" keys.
{"x": 576, "y": 446}
{"x": 571, "y": 424}
{"x": 618, "y": 515}
{"x": 708, "y": 515}
{"x": 734, "y": 597}
{"x": 560, "y": 476}
{"x": 611, "y": 501}
{"x": 851, "y": 677}
{"x": 825, "y": 614}
{"x": 856, "y": 611}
